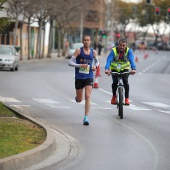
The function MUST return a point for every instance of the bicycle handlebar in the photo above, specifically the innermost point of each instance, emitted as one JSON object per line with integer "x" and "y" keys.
{"x": 117, "y": 73}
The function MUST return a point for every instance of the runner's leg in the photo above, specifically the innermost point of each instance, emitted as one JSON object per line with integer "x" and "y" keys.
{"x": 88, "y": 90}
{"x": 79, "y": 95}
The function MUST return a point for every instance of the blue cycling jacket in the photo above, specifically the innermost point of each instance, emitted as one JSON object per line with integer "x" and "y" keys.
{"x": 130, "y": 58}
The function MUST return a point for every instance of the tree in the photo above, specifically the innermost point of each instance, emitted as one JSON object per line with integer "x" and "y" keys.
{"x": 68, "y": 12}
{"x": 4, "y": 21}
{"x": 121, "y": 15}
{"x": 13, "y": 11}
{"x": 148, "y": 17}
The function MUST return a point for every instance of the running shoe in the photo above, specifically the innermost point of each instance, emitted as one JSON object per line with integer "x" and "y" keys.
{"x": 85, "y": 121}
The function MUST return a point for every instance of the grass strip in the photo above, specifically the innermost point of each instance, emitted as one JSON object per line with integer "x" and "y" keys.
{"x": 17, "y": 135}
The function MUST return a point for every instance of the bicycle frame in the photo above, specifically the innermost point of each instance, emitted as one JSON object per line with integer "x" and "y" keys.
{"x": 120, "y": 93}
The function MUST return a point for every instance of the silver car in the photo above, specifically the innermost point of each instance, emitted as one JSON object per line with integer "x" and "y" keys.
{"x": 73, "y": 48}
{"x": 9, "y": 57}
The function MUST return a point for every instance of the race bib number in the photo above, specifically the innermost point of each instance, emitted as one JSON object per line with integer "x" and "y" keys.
{"x": 84, "y": 70}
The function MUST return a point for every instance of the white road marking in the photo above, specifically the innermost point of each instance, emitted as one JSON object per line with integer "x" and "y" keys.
{"x": 46, "y": 101}
{"x": 163, "y": 111}
{"x": 8, "y": 99}
{"x": 83, "y": 102}
{"x": 105, "y": 91}
{"x": 65, "y": 107}
{"x": 157, "y": 104}
{"x": 51, "y": 103}
{"x": 133, "y": 107}
{"x": 152, "y": 65}
{"x": 20, "y": 106}
{"x": 104, "y": 108}
{"x": 54, "y": 104}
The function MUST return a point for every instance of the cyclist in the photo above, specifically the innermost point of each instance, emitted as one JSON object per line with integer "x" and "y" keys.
{"x": 119, "y": 60}
{"x": 82, "y": 60}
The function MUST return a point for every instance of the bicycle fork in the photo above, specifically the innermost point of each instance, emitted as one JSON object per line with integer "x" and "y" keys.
{"x": 120, "y": 87}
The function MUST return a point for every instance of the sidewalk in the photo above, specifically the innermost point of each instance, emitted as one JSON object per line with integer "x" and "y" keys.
{"x": 54, "y": 56}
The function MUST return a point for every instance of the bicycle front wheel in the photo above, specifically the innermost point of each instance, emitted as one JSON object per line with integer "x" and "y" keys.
{"x": 120, "y": 104}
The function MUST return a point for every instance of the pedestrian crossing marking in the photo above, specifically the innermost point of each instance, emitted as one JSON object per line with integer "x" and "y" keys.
{"x": 157, "y": 104}
{"x": 133, "y": 107}
{"x": 51, "y": 103}
{"x": 19, "y": 106}
{"x": 55, "y": 104}
{"x": 45, "y": 101}
{"x": 83, "y": 102}
{"x": 65, "y": 107}
{"x": 103, "y": 108}
{"x": 164, "y": 111}
{"x": 8, "y": 99}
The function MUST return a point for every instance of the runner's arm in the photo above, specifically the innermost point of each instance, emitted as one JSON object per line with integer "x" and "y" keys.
{"x": 72, "y": 61}
{"x": 96, "y": 60}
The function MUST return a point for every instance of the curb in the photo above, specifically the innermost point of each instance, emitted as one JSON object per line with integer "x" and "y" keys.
{"x": 34, "y": 60}
{"x": 33, "y": 156}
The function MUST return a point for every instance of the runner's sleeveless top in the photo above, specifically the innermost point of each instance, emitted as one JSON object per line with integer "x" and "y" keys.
{"x": 84, "y": 73}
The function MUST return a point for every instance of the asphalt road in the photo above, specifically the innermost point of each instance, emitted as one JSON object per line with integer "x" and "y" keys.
{"x": 140, "y": 141}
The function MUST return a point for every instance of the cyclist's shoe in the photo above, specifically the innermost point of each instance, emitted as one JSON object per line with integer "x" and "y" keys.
{"x": 85, "y": 121}
{"x": 127, "y": 102}
{"x": 114, "y": 100}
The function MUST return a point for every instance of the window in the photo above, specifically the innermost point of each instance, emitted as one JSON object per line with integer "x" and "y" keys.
{"x": 92, "y": 16}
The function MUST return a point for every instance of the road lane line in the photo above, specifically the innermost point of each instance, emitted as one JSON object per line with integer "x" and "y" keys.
{"x": 153, "y": 149}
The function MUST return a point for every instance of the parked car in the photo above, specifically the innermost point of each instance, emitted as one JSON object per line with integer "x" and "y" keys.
{"x": 151, "y": 45}
{"x": 72, "y": 49}
{"x": 9, "y": 57}
{"x": 110, "y": 45}
{"x": 159, "y": 45}
{"x": 163, "y": 46}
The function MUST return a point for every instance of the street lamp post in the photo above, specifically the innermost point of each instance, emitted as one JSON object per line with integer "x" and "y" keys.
{"x": 107, "y": 2}
{"x": 81, "y": 27}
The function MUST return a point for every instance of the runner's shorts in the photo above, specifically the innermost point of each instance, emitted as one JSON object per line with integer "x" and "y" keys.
{"x": 81, "y": 83}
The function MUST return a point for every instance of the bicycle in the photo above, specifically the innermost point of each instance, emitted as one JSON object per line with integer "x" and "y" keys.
{"x": 120, "y": 93}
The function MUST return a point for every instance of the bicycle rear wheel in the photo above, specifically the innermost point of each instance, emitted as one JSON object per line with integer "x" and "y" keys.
{"x": 120, "y": 104}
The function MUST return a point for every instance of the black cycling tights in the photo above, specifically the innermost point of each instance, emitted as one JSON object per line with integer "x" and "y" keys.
{"x": 125, "y": 82}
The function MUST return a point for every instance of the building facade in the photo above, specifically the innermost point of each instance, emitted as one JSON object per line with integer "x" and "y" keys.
{"x": 90, "y": 23}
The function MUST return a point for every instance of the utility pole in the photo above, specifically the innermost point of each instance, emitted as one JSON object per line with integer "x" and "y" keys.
{"x": 107, "y": 2}
{"x": 81, "y": 27}
{"x": 53, "y": 36}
